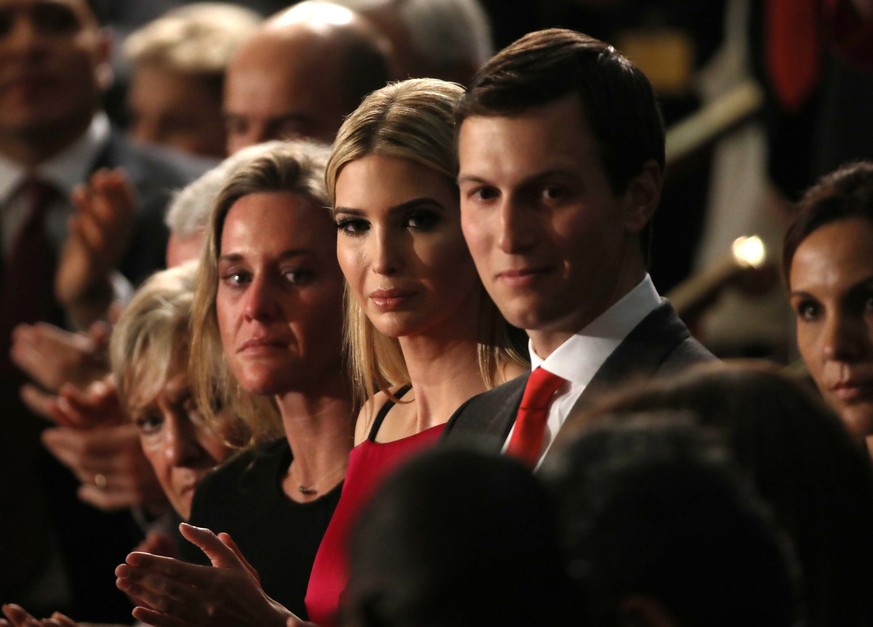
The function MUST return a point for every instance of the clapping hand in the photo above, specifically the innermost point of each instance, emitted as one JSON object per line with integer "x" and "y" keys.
{"x": 171, "y": 593}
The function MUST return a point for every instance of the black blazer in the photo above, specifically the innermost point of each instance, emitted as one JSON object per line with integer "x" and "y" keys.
{"x": 658, "y": 345}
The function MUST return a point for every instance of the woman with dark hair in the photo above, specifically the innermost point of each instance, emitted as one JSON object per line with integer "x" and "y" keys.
{"x": 828, "y": 268}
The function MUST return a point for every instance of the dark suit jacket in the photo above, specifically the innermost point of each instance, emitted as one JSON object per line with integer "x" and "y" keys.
{"x": 41, "y": 491}
{"x": 658, "y": 345}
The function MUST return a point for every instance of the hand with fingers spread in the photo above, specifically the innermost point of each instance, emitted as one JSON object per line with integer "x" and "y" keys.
{"x": 107, "y": 459}
{"x": 99, "y": 231}
{"x": 170, "y": 593}
{"x": 95, "y": 407}
{"x": 158, "y": 543}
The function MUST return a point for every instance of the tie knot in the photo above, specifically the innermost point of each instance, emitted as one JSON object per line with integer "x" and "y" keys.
{"x": 540, "y": 388}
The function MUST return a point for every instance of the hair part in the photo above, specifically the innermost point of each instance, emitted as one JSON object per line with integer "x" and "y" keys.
{"x": 411, "y": 120}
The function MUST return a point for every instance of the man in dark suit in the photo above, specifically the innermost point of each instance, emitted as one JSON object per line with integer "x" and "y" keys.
{"x": 54, "y": 65}
{"x": 561, "y": 150}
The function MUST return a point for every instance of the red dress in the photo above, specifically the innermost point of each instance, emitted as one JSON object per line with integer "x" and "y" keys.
{"x": 369, "y": 463}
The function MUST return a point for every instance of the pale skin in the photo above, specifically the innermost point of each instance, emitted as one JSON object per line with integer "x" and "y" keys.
{"x": 402, "y": 252}
{"x": 279, "y": 310}
{"x": 554, "y": 244}
{"x": 831, "y": 293}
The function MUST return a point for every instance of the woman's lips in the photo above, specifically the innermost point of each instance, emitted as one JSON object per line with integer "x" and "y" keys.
{"x": 260, "y": 344}
{"x": 391, "y": 299}
{"x": 853, "y": 390}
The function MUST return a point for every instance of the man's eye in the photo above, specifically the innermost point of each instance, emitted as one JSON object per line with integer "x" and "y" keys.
{"x": 422, "y": 220}
{"x": 554, "y": 192}
{"x": 352, "y": 226}
{"x": 483, "y": 193}
{"x": 298, "y": 276}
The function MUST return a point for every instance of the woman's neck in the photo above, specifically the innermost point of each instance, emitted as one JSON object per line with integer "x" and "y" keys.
{"x": 443, "y": 374}
{"x": 318, "y": 428}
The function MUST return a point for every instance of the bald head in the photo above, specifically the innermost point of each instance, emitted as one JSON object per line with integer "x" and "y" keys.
{"x": 306, "y": 68}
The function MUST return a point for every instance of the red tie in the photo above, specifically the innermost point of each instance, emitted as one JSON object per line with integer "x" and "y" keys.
{"x": 530, "y": 423}
{"x": 28, "y": 272}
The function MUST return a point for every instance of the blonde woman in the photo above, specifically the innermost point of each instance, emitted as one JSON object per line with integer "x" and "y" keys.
{"x": 268, "y": 310}
{"x": 420, "y": 329}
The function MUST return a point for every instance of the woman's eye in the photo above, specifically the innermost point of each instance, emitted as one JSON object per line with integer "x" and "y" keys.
{"x": 149, "y": 424}
{"x": 807, "y": 311}
{"x": 235, "y": 278}
{"x": 352, "y": 226}
{"x": 422, "y": 220}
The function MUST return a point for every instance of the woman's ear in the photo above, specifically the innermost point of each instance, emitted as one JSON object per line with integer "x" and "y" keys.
{"x": 643, "y": 194}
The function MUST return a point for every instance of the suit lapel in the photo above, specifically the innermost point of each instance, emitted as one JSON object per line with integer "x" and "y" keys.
{"x": 640, "y": 354}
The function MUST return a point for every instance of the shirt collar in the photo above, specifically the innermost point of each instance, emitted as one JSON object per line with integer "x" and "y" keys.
{"x": 66, "y": 169}
{"x": 580, "y": 357}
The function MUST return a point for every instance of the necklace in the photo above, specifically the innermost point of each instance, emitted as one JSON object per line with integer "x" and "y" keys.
{"x": 312, "y": 489}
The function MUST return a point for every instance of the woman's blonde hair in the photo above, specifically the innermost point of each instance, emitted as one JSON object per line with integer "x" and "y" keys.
{"x": 151, "y": 342}
{"x": 413, "y": 120}
{"x": 296, "y": 167}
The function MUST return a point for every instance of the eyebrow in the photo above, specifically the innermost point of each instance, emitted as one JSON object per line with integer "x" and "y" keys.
{"x": 285, "y": 254}
{"x": 526, "y": 181}
{"x": 864, "y": 283}
{"x": 415, "y": 203}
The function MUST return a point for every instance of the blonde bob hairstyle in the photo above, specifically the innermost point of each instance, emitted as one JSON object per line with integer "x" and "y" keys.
{"x": 413, "y": 120}
{"x": 295, "y": 167}
{"x": 151, "y": 342}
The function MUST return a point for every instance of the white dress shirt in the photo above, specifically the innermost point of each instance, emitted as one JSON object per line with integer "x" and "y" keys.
{"x": 579, "y": 358}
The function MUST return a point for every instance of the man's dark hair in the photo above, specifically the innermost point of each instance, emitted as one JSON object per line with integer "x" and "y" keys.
{"x": 547, "y": 65}
{"x": 617, "y": 98}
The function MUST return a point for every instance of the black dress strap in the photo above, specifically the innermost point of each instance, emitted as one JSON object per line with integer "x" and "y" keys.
{"x": 383, "y": 411}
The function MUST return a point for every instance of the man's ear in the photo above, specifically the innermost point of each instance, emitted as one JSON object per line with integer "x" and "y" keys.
{"x": 643, "y": 611}
{"x": 103, "y": 66}
{"x": 643, "y": 194}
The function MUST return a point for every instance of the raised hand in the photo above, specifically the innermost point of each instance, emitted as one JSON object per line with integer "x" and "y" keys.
{"x": 170, "y": 593}
{"x": 52, "y": 357}
{"x": 98, "y": 235}
{"x": 110, "y": 464}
